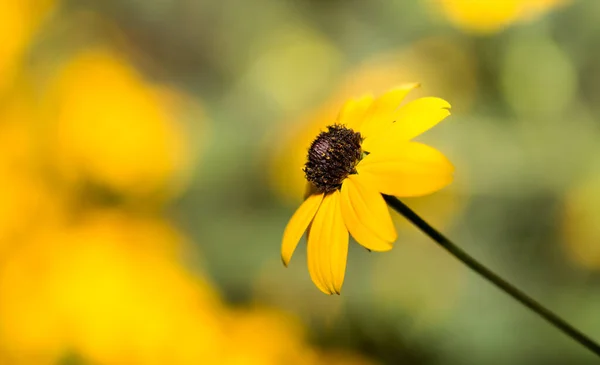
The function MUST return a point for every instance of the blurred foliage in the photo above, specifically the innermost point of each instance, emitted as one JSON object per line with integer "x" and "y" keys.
{"x": 151, "y": 155}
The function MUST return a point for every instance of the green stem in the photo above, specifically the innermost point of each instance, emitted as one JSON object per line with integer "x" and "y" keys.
{"x": 505, "y": 286}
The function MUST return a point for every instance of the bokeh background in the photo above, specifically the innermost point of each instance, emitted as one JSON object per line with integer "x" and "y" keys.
{"x": 151, "y": 154}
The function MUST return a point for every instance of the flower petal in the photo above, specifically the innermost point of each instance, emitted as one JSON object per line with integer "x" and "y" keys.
{"x": 366, "y": 215}
{"x": 379, "y": 115}
{"x": 328, "y": 246}
{"x": 297, "y": 225}
{"x": 353, "y": 112}
{"x": 406, "y": 170}
{"x": 410, "y": 121}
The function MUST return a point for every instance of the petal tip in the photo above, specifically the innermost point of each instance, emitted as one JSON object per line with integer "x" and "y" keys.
{"x": 436, "y": 102}
{"x": 327, "y": 292}
{"x": 382, "y": 248}
{"x": 337, "y": 287}
{"x": 404, "y": 88}
{"x": 388, "y": 248}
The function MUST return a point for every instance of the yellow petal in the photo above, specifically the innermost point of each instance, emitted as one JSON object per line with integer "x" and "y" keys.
{"x": 328, "y": 246}
{"x": 410, "y": 121}
{"x": 313, "y": 255}
{"x": 366, "y": 215}
{"x": 380, "y": 113}
{"x": 353, "y": 112}
{"x": 406, "y": 170}
{"x": 297, "y": 225}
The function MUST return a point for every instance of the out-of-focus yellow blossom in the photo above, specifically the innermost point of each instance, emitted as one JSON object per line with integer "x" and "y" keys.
{"x": 581, "y": 232}
{"x": 25, "y": 198}
{"x": 112, "y": 289}
{"x": 489, "y": 16}
{"x": 26, "y": 203}
{"x": 445, "y": 66}
{"x": 113, "y": 128}
{"x": 18, "y": 140}
{"x": 265, "y": 337}
{"x": 19, "y": 20}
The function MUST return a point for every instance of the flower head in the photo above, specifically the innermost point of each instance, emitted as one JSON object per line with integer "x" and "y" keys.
{"x": 98, "y": 97}
{"x": 366, "y": 153}
{"x": 332, "y": 157}
{"x": 487, "y": 17}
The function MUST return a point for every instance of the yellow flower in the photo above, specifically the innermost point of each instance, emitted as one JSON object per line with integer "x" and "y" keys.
{"x": 27, "y": 200}
{"x": 368, "y": 152}
{"x": 111, "y": 127}
{"x": 113, "y": 291}
{"x": 19, "y": 22}
{"x": 265, "y": 336}
{"x": 445, "y": 64}
{"x": 492, "y": 15}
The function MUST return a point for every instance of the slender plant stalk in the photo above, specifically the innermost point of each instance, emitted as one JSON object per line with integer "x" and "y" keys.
{"x": 505, "y": 286}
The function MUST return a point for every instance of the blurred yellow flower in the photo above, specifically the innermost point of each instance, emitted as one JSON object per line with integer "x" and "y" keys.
{"x": 114, "y": 129}
{"x": 488, "y": 16}
{"x": 266, "y": 337}
{"x": 111, "y": 289}
{"x": 19, "y": 21}
{"x": 18, "y": 141}
{"x": 26, "y": 199}
{"x": 368, "y": 152}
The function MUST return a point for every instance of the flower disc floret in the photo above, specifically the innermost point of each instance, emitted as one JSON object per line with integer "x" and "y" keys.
{"x": 333, "y": 156}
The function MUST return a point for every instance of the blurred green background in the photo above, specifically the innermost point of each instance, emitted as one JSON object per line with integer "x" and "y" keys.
{"x": 151, "y": 155}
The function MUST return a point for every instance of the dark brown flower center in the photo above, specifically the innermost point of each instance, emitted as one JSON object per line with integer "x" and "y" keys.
{"x": 333, "y": 156}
